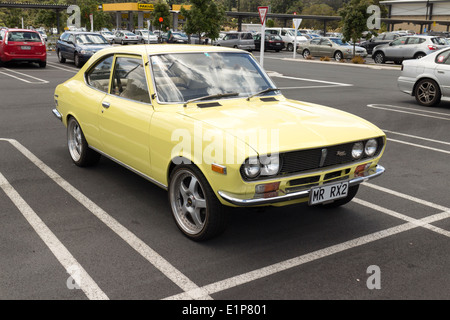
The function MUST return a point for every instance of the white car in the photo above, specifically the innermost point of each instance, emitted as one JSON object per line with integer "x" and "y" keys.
{"x": 146, "y": 36}
{"x": 108, "y": 35}
{"x": 428, "y": 78}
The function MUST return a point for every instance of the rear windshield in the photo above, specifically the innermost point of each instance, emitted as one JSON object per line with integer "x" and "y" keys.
{"x": 24, "y": 36}
{"x": 440, "y": 41}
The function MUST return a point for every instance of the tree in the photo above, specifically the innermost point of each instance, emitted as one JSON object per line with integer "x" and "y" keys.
{"x": 318, "y": 10}
{"x": 354, "y": 19}
{"x": 204, "y": 16}
{"x": 161, "y": 10}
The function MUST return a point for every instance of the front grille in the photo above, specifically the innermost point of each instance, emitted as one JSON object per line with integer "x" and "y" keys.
{"x": 299, "y": 161}
{"x": 303, "y": 160}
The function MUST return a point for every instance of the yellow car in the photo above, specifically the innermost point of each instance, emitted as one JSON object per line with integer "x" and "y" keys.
{"x": 208, "y": 125}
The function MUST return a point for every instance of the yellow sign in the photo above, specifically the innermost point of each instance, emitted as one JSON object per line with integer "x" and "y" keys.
{"x": 146, "y": 6}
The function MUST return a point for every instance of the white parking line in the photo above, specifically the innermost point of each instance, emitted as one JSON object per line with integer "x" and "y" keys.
{"x": 279, "y": 75}
{"x": 137, "y": 244}
{"x": 57, "y": 66}
{"x": 419, "y": 145}
{"x": 312, "y": 256}
{"x": 423, "y": 114}
{"x": 85, "y": 282}
{"x": 417, "y": 137}
{"x": 39, "y": 81}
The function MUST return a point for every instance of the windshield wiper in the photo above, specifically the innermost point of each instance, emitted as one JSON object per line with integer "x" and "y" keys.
{"x": 213, "y": 96}
{"x": 261, "y": 92}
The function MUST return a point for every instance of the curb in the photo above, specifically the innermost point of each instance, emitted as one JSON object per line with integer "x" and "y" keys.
{"x": 368, "y": 66}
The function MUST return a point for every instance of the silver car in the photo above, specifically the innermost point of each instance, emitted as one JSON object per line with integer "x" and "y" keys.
{"x": 146, "y": 36}
{"x": 108, "y": 35}
{"x": 330, "y": 47}
{"x": 427, "y": 79}
{"x": 410, "y": 47}
{"x": 240, "y": 40}
{"x": 125, "y": 37}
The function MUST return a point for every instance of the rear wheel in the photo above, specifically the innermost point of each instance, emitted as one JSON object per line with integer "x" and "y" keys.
{"x": 77, "y": 60}
{"x": 427, "y": 93}
{"x": 419, "y": 55}
{"x": 42, "y": 64}
{"x": 352, "y": 191}
{"x": 338, "y": 56}
{"x": 195, "y": 208}
{"x": 79, "y": 150}
{"x": 290, "y": 47}
{"x": 306, "y": 53}
{"x": 60, "y": 57}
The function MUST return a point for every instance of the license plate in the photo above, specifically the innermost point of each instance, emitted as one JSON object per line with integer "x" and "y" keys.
{"x": 278, "y": 44}
{"x": 328, "y": 193}
{"x": 25, "y": 47}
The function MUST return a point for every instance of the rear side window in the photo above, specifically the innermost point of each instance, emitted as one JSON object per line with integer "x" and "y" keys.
{"x": 390, "y": 37}
{"x": 440, "y": 41}
{"x": 246, "y": 36}
{"x": 443, "y": 57}
{"x": 98, "y": 76}
{"x": 22, "y": 36}
{"x": 415, "y": 40}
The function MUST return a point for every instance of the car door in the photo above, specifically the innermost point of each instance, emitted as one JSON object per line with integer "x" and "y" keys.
{"x": 413, "y": 45}
{"x": 442, "y": 72}
{"x": 69, "y": 48}
{"x": 126, "y": 114}
{"x": 396, "y": 48}
{"x": 314, "y": 47}
{"x": 325, "y": 47}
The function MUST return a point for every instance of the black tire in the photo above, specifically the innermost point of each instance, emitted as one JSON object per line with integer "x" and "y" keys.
{"x": 379, "y": 57}
{"x": 1, "y": 63}
{"x": 290, "y": 47}
{"x": 398, "y": 62}
{"x": 42, "y": 64}
{"x": 79, "y": 150}
{"x": 306, "y": 53}
{"x": 122, "y": 42}
{"x": 338, "y": 56}
{"x": 277, "y": 50}
{"x": 77, "y": 61}
{"x": 195, "y": 208}
{"x": 352, "y": 191}
{"x": 419, "y": 55}
{"x": 61, "y": 59}
{"x": 427, "y": 93}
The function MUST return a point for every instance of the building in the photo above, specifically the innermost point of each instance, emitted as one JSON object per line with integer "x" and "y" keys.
{"x": 418, "y": 15}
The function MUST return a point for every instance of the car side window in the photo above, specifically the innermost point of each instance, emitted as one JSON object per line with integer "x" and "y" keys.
{"x": 324, "y": 42}
{"x": 315, "y": 41}
{"x": 443, "y": 58}
{"x": 399, "y": 41}
{"x": 414, "y": 40}
{"x": 129, "y": 79}
{"x": 98, "y": 76}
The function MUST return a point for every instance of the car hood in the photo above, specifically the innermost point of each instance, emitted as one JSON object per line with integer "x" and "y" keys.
{"x": 298, "y": 125}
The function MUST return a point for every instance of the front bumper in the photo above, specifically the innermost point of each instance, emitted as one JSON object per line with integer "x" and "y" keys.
{"x": 281, "y": 196}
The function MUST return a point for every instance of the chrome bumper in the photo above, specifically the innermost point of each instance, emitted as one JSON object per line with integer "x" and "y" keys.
{"x": 57, "y": 114}
{"x": 282, "y": 197}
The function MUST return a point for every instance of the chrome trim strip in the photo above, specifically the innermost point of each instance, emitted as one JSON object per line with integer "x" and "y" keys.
{"x": 159, "y": 184}
{"x": 57, "y": 114}
{"x": 370, "y": 174}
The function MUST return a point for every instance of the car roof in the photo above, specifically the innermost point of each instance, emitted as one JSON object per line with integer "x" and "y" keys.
{"x": 20, "y": 30}
{"x": 167, "y": 48}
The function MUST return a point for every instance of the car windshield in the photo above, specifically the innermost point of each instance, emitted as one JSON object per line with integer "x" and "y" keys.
{"x": 23, "y": 36}
{"x": 186, "y": 76}
{"x": 88, "y": 39}
{"x": 339, "y": 42}
{"x": 129, "y": 34}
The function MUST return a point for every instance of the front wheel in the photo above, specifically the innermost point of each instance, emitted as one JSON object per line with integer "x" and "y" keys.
{"x": 427, "y": 93}
{"x": 352, "y": 191}
{"x": 290, "y": 47}
{"x": 195, "y": 208}
{"x": 77, "y": 60}
{"x": 379, "y": 58}
{"x": 79, "y": 150}
{"x": 419, "y": 55}
{"x": 61, "y": 59}
{"x": 306, "y": 54}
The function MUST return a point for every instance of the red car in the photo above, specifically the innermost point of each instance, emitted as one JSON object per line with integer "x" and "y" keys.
{"x": 22, "y": 45}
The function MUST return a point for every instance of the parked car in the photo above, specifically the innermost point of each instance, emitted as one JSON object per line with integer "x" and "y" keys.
{"x": 288, "y": 36}
{"x": 271, "y": 42}
{"x": 125, "y": 37}
{"x": 22, "y": 45}
{"x": 108, "y": 35}
{"x": 330, "y": 47}
{"x": 427, "y": 79}
{"x": 148, "y": 114}
{"x": 240, "y": 40}
{"x": 380, "y": 39}
{"x": 179, "y": 37}
{"x": 146, "y": 36}
{"x": 410, "y": 47}
{"x": 43, "y": 34}
{"x": 79, "y": 46}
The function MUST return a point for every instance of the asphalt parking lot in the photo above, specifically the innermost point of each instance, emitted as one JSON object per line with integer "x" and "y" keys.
{"x": 115, "y": 230}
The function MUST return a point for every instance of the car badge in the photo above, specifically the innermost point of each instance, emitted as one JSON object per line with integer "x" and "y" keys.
{"x": 341, "y": 153}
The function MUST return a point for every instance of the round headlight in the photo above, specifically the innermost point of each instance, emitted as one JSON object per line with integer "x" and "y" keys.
{"x": 270, "y": 165}
{"x": 252, "y": 168}
{"x": 371, "y": 147}
{"x": 357, "y": 150}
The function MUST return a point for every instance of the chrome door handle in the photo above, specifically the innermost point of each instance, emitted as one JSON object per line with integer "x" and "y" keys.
{"x": 439, "y": 71}
{"x": 105, "y": 105}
